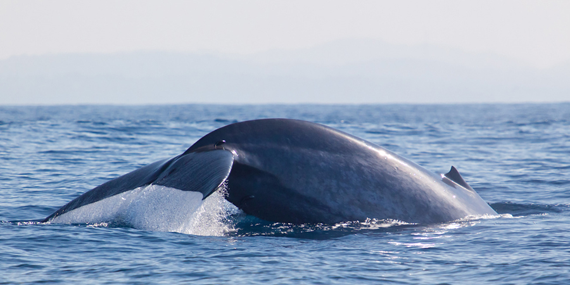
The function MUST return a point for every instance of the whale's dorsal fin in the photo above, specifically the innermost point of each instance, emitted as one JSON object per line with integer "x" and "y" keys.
{"x": 454, "y": 176}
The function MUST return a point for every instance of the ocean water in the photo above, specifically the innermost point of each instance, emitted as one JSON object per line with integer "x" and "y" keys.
{"x": 517, "y": 157}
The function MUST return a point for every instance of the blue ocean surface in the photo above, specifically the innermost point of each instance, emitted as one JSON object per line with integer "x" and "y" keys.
{"x": 516, "y": 156}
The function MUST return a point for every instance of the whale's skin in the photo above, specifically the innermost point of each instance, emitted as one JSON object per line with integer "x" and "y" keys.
{"x": 297, "y": 172}
{"x": 301, "y": 172}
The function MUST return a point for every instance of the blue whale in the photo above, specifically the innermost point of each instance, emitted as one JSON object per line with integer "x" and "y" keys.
{"x": 294, "y": 171}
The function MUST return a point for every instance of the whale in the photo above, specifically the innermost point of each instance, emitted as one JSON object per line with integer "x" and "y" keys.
{"x": 293, "y": 171}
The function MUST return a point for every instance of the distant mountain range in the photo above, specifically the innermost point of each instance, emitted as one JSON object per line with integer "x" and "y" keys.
{"x": 347, "y": 71}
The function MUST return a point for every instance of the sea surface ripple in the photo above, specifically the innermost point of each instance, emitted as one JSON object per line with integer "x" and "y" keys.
{"x": 516, "y": 156}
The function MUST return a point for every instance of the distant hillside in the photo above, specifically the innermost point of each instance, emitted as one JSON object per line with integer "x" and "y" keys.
{"x": 356, "y": 71}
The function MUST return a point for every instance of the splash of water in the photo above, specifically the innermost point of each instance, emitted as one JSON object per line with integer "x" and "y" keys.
{"x": 158, "y": 208}
{"x": 212, "y": 217}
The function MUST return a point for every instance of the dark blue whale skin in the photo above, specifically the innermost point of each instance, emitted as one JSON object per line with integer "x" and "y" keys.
{"x": 298, "y": 172}
{"x": 295, "y": 171}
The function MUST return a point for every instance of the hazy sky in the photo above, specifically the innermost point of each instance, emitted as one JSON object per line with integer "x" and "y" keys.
{"x": 537, "y": 32}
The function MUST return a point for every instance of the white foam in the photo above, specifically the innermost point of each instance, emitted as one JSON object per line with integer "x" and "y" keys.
{"x": 370, "y": 224}
{"x": 158, "y": 208}
{"x": 211, "y": 218}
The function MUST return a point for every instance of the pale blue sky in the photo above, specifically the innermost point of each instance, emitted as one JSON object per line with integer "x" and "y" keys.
{"x": 532, "y": 33}
{"x": 537, "y": 32}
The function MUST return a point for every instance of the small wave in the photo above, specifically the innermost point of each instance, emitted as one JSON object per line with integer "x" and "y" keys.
{"x": 225, "y": 121}
{"x": 22, "y": 223}
{"x": 517, "y": 209}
